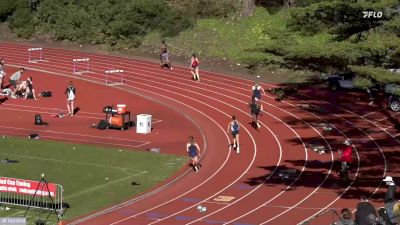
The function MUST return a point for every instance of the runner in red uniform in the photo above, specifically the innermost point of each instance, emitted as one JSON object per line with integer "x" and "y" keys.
{"x": 194, "y": 67}
{"x": 345, "y": 160}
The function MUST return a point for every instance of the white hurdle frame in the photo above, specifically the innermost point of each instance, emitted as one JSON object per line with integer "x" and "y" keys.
{"x": 110, "y": 73}
{"x": 77, "y": 62}
{"x": 31, "y": 58}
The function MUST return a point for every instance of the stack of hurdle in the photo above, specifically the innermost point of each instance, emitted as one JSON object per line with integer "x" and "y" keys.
{"x": 35, "y": 55}
{"x": 114, "y": 77}
{"x": 81, "y": 65}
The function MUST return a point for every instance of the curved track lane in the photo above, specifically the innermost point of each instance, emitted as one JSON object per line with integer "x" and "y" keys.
{"x": 249, "y": 177}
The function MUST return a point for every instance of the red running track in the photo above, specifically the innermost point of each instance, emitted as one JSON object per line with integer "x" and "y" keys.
{"x": 255, "y": 194}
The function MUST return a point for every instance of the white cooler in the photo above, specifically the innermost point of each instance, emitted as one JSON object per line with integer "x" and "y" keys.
{"x": 143, "y": 124}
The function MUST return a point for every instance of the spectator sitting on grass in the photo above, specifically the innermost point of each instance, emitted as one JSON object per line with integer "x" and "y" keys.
{"x": 14, "y": 79}
{"x": 346, "y": 218}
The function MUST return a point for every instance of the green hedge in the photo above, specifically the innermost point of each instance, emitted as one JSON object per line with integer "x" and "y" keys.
{"x": 118, "y": 23}
{"x": 207, "y": 8}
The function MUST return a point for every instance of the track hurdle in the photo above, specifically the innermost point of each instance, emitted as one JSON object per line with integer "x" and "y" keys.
{"x": 114, "y": 77}
{"x": 81, "y": 65}
{"x": 35, "y": 55}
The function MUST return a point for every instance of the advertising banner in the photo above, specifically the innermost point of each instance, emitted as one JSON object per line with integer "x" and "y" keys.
{"x": 27, "y": 187}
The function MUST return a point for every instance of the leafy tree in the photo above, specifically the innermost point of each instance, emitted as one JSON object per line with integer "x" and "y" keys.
{"x": 7, "y": 7}
{"x": 22, "y": 19}
{"x": 118, "y": 23}
{"x": 334, "y": 34}
{"x": 362, "y": 82}
{"x": 376, "y": 74}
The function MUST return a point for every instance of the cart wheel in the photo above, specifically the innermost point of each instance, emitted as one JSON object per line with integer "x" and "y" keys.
{"x": 122, "y": 128}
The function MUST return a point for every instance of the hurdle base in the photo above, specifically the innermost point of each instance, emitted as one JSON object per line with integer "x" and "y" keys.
{"x": 37, "y": 61}
{"x": 81, "y": 72}
{"x": 114, "y": 83}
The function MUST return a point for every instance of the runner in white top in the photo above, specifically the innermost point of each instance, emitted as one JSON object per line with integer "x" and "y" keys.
{"x": 14, "y": 79}
{"x": 71, "y": 94}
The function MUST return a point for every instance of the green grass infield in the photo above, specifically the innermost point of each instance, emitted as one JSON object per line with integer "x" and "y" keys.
{"x": 92, "y": 177}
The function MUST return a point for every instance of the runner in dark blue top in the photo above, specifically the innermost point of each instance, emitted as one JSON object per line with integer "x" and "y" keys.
{"x": 193, "y": 150}
{"x": 234, "y": 127}
{"x": 256, "y": 108}
{"x": 257, "y": 89}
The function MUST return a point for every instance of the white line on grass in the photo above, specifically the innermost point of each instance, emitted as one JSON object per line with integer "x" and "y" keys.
{"x": 70, "y": 162}
{"x": 103, "y": 185}
{"x": 80, "y": 140}
{"x": 73, "y": 134}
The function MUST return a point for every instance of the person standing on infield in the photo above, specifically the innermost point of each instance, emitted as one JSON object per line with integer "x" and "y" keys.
{"x": 193, "y": 150}
{"x": 194, "y": 67}
{"x": 71, "y": 94}
{"x": 234, "y": 127}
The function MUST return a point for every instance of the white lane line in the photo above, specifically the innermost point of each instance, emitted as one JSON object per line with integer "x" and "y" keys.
{"x": 227, "y": 115}
{"x": 137, "y": 82}
{"x": 81, "y": 140}
{"x": 73, "y": 134}
{"x": 373, "y": 112}
{"x": 45, "y": 112}
{"x": 384, "y": 158}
